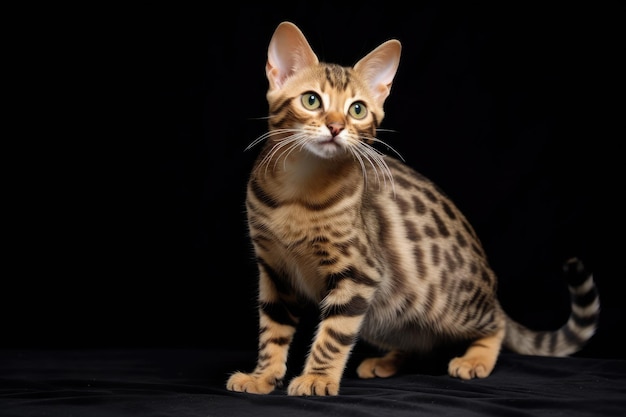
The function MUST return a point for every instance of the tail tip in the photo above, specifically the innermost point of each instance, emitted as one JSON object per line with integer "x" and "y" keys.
{"x": 573, "y": 265}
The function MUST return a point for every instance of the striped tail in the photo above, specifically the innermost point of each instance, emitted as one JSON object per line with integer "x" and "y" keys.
{"x": 573, "y": 335}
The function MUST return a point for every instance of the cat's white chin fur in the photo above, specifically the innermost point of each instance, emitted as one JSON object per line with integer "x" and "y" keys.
{"x": 325, "y": 148}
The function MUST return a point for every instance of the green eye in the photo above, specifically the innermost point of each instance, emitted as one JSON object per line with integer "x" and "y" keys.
{"x": 358, "y": 110}
{"x": 311, "y": 101}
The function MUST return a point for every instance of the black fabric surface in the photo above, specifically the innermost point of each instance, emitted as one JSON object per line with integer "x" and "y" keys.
{"x": 191, "y": 382}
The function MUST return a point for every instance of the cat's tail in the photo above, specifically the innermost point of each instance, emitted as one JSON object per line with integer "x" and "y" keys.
{"x": 573, "y": 335}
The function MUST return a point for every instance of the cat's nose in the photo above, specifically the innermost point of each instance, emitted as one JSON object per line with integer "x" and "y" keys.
{"x": 335, "y": 128}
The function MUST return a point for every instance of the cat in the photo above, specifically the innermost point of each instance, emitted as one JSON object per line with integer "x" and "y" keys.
{"x": 385, "y": 255}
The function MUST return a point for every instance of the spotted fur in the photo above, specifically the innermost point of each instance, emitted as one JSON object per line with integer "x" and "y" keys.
{"x": 387, "y": 257}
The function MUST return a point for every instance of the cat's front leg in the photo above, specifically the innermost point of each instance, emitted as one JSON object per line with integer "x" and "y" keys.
{"x": 342, "y": 311}
{"x": 277, "y": 324}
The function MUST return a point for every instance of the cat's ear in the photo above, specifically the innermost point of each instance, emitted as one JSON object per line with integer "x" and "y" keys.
{"x": 288, "y": 52}
{"x": 379, "y": 67}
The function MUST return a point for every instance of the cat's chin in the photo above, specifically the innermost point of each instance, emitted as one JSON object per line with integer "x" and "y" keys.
{"x": 326, "y": 149}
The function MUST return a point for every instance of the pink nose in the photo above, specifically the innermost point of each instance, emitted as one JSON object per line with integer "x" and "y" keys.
{"x": 335, "y": 128}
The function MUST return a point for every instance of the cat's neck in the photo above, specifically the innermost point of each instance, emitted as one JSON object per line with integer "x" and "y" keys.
{"x": 302, "y": 175}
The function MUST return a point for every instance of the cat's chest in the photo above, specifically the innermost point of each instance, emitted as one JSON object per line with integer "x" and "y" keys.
{"x": 300, "y": 242}
{"x": 300, "y": 227}
{"x": 293, "y": 212}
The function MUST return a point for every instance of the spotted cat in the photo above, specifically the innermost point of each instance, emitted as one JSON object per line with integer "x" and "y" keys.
{"x": 385, "y": 255}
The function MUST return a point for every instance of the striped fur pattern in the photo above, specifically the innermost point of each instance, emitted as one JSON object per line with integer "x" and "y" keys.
{"x": 387, "y": 257}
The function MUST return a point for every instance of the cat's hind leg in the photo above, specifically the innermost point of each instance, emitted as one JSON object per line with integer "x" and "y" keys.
{"x": 382, "y": 367}
{"x": 479, "y": 359}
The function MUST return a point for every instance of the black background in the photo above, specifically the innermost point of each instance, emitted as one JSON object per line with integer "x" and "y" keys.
{"x": 128, "y": 209}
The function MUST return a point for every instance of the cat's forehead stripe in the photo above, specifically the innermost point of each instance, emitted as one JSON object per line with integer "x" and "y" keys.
{"x": 338, "y": 77}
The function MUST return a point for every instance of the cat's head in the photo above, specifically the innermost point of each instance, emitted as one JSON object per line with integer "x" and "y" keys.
{"x": 325, "y": 109}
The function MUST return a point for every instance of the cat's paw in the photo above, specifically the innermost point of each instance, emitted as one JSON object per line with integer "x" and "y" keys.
{"x": 377, "y": 367}
{"x": 469, "y": 367}
{"x": 251, "y": 383}
{"x": 313, "y": 385}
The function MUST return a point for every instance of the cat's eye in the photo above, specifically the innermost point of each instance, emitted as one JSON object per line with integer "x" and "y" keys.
{"x": 358, "y": 110}
{"x": 311, "y": 101}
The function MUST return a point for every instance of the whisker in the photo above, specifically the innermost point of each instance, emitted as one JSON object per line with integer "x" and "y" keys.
{"x": 355, "y": 153}
{"x": 258, "y": 140}
{"x": 367, "y": 155}
{"x": 382, "y": 166}
{"x": 374, "y": 139}
{"x": 277, "y": 146}
{"x": 288, "y": 142}
{"x": 294, "y": 141}
{"x": 377, "y": 161}
{"x": 267, "y": 135}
